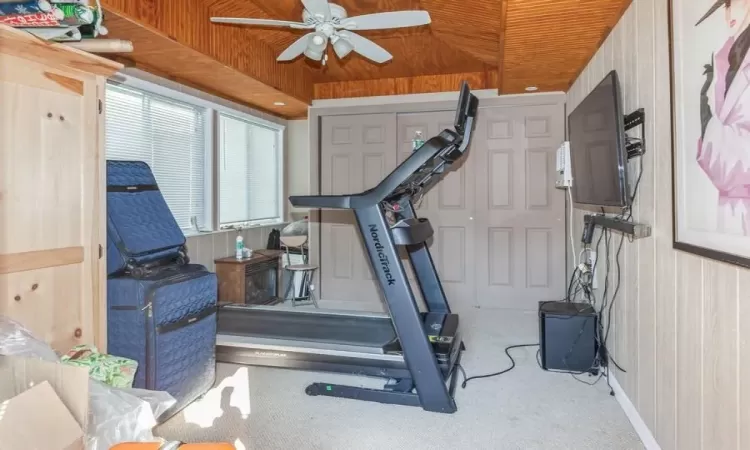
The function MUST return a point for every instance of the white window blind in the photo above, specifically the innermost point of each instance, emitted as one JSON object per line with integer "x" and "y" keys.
{"x": 249, "y": 166}
{"x": 169, "y": 136}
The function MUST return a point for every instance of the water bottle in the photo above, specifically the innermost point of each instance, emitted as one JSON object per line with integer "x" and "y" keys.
{"x": 418, "y": 141}
{"x": 239, "y": 248}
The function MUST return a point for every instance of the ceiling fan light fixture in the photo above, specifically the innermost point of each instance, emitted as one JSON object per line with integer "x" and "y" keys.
{"x": 279, "y": 104}
{"x": 313, "y": 53}
{"x": 316, "y": 46}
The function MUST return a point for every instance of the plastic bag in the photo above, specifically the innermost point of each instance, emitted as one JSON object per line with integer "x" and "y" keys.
{"x": 122, "y": 415}
{"x": 115, "y": 415}
{"x": 16, "y": 340}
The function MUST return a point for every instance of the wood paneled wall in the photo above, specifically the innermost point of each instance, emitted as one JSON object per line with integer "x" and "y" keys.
{"x": 681, "y": 323}
{"x": 406, "y": 85}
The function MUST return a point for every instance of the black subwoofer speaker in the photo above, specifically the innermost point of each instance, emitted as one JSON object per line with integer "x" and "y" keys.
{"x": 567, "y": 336}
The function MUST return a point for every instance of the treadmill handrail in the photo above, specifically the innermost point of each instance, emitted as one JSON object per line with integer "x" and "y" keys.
{"x": 430, "y": 149}
{"x": 321, "y": 201}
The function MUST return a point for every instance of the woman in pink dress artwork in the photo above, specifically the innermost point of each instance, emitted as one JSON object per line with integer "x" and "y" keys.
{"x": 724, "y": 145}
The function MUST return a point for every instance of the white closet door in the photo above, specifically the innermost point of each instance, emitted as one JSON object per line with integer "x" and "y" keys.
{"x": 358, "y": 151}
{"x": 520, "y": 216}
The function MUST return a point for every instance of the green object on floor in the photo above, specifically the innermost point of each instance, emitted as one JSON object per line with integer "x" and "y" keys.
{"x": 112, "y": 370}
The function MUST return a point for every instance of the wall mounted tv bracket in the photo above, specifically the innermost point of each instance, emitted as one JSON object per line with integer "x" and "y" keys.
{"x": 590, "y": 222}
{"x": 636, "y": 146}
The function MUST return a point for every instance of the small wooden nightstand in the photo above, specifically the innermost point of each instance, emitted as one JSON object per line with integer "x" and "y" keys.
{"x": 251, "y": 281}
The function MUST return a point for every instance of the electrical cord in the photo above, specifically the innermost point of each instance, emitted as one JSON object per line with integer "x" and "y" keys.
{"x": 637, "y": 183}
{"x": 617, "y": 289}
{"x": 600, "y": 332}
{"x": 504, "y": 371}
{"x": 590, "y": 383}
{"x": 578, "y": 283}
{"x": 585, "y": 283}
{"x": 570, "y": 229}
{"x": 568, "y": 297}
{"x": 580, "y": 286}
{"x": 607, "y": 304}
{"x": 619, "y": 267}
{"x": 596, "y": 263}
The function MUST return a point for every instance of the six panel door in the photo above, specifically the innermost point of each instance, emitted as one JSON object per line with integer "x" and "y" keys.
{"x": 357, "y": 153}
{"x": 520, "y": 226}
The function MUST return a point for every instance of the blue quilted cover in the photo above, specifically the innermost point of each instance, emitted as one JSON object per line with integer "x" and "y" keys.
{"x": 182, "y": 360}
{"x": 186, "y": 366}
{"x": 140, "y": 222}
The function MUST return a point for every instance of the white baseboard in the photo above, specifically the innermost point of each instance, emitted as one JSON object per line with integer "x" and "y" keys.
{"x": 635, "y": 419}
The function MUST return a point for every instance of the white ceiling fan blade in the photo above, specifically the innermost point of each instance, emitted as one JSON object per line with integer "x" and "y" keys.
{"x": 262, "y": 22}
{"x": 342, "y": 47}
{"x": 318, "y": 7}
{"x": 381, "y": 21}
{"x": 366, "y": 47}
{"x": 297, "y": 48}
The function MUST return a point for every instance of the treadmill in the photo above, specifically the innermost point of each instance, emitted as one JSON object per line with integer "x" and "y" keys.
{"x": 417, "y": 352}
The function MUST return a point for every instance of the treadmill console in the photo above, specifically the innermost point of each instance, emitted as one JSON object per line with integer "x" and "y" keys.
{"x": 441, "y": 151}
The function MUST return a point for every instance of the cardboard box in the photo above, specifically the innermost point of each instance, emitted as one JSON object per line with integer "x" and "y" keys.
{"x": 38, "y": 395}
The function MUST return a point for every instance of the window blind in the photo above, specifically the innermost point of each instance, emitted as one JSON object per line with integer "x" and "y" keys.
{"x": 249, "y": 165}
{"x": 170, "y": 137}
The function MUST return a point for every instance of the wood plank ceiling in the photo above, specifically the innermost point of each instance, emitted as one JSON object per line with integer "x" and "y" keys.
{"x": 503, "y": 44}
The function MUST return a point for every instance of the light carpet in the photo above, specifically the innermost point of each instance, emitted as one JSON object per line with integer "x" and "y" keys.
{"x": 527, "y": 408}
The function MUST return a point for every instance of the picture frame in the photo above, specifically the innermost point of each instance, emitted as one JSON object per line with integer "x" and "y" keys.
{"x": 709, "y": 72}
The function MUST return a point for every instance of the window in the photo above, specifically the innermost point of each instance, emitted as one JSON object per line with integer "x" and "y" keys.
{"x": 215, "y": 165}
{"x": 249, "y": 172}
{"x": 170, "y": 136}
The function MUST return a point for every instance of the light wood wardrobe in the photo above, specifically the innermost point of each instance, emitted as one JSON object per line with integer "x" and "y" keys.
{"x": 52, "y": 189}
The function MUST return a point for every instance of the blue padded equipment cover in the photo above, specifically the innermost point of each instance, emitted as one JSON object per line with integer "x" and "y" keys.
{"x": 140, "y": 226}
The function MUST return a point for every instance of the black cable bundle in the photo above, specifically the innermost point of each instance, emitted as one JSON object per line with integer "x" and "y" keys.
{"x": 578, "y": 283}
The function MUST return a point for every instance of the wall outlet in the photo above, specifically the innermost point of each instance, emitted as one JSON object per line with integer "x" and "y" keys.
{"x": 592, "y": 263}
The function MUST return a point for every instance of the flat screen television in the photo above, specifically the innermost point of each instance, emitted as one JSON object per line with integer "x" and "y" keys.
{"x": 596, "y": 132}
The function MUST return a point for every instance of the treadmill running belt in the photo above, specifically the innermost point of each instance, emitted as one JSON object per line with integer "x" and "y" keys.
{"x": 288, "y": 325}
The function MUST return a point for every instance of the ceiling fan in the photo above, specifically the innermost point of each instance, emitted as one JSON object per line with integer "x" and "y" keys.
{"x": 330, "y": 23}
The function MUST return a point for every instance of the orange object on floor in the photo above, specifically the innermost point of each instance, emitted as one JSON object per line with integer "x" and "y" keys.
{"x": 158, "y": 446}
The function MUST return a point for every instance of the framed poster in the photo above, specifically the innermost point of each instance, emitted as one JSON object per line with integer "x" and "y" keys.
{"x": 710, "y": 70}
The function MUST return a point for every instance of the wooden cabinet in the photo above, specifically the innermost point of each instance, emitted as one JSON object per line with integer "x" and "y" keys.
{"x": 52, "y": 189}
{"x": 252, "y": 281}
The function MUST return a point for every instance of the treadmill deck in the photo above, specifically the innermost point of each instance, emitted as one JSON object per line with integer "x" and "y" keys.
{"x": 306, "y": 328}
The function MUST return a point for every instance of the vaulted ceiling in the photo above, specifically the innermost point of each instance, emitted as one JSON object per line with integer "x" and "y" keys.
{"x": 507, "y": 45}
